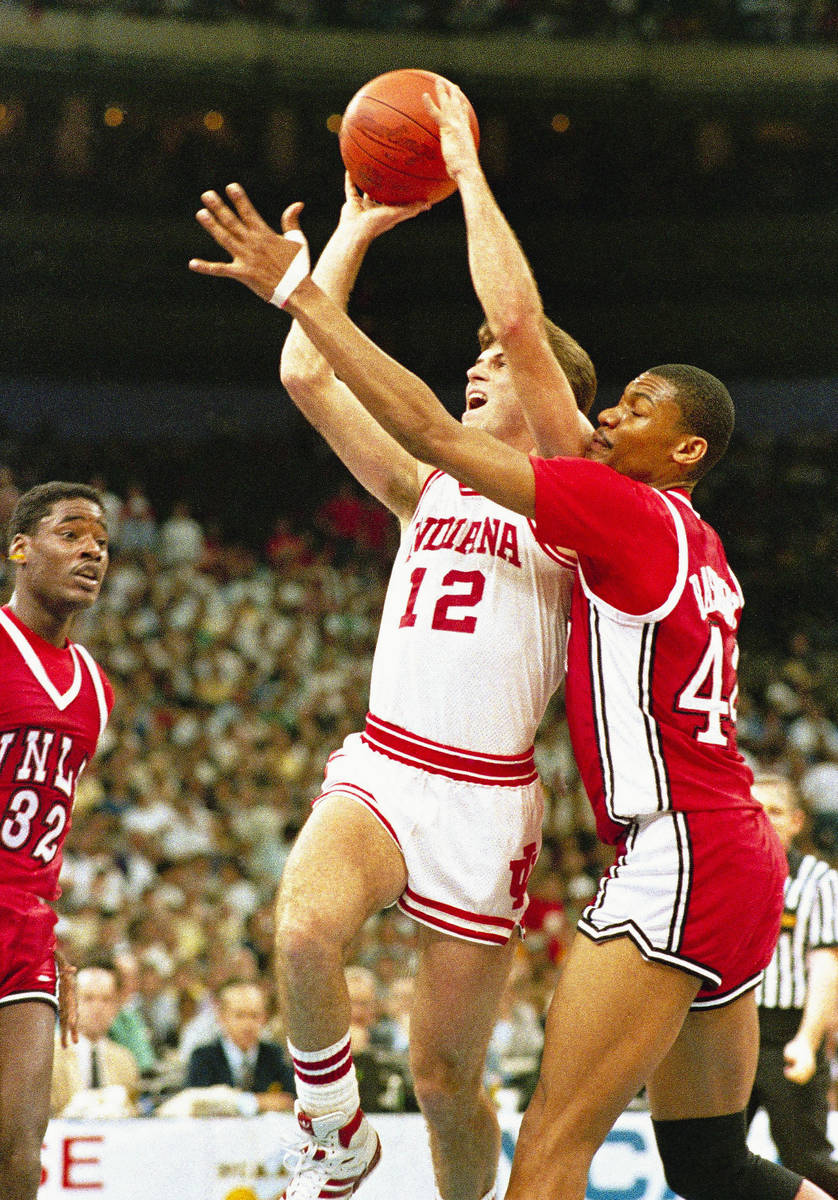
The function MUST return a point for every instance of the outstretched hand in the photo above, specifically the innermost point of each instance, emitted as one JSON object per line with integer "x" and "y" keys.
{"x": 450, "y": 110}
{"x": 260, "y": 256}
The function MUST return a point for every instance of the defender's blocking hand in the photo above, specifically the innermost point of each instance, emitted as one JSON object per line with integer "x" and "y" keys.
{"x": 260, "y": 256}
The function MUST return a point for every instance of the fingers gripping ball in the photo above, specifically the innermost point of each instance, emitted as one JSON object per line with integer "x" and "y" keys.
{"x": 389, "y": 143}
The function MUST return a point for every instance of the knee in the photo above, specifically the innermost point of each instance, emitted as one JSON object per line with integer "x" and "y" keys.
{"x": 708, "y": 1159}
{"x": 20, "y": 1160}
{"x": 304, "y": 937}
{"x": 447, "y": 1093}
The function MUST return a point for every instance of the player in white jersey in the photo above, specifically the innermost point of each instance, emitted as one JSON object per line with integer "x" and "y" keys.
{"x": 436, "y": 805}
{"x": 619, "y": 1017}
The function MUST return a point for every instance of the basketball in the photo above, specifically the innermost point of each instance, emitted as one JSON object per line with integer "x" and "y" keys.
{"x": 390, "y": 144}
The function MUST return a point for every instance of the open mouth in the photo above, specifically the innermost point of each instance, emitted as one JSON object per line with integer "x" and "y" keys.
{"x": 474, "y": 400}
{"x": 90, "y": 578}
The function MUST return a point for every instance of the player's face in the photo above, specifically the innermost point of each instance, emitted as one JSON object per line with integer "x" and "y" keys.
{"x": 491, "y": 400}
{"x": 67, "y": 556}
{"x": 781, "y": 810}
{"x": 638, "y": 436}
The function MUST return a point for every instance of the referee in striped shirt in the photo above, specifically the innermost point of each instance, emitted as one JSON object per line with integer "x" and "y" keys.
{"x": 797, "y": 1000}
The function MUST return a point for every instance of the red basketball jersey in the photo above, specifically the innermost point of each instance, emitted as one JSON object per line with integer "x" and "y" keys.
{"x": 651, "y": 681}
{"x": 54, "y": 704}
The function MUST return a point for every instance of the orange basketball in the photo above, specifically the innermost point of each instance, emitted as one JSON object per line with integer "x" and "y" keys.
{"x": 389, "y": 143}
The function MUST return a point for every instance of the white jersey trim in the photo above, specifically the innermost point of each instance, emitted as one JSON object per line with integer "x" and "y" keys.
{"x": 27, "y": 651}
{"x": 98, "y": 686}
{"x": 657, "y": 614}
{"x": 14, "y": 997}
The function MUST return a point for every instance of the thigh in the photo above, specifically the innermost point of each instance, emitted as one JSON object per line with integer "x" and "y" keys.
{"x": 612, "y": 1019}
{"x": 344, "y": 866}
{"x": 27, "y": 1031}
{"x": 457, "y": 991}
{"x": 710, "y": 1070}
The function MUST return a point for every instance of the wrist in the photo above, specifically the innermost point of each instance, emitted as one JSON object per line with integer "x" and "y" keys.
{"x": 297, "y": 270}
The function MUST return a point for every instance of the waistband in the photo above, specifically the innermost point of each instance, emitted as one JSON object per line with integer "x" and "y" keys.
{"x": 468, "y": 766}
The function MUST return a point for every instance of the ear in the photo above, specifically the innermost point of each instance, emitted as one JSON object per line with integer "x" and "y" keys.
{"x": 690, "y": 451}
{"x": 17, "y": 549}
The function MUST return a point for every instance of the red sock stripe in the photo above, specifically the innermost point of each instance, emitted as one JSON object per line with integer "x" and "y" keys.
{"x": 325, "y": 1070}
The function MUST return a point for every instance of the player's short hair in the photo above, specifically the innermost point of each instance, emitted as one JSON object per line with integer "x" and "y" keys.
{"x": 38, "y": 503}
{"x": 574, "y": 361}
{"x": 706, "y": 408}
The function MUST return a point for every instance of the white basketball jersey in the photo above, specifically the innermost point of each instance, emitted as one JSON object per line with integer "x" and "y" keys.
{"x": 472, "y": 639}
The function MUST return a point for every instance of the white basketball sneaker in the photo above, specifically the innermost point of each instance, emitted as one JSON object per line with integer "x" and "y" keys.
{"x": 338, "y": 1153}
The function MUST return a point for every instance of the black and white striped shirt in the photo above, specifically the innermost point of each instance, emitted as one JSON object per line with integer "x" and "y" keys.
{"x": 810, "y": 921}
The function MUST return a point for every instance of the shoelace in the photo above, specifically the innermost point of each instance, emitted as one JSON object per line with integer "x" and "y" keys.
{"x": 306, "y": 1151}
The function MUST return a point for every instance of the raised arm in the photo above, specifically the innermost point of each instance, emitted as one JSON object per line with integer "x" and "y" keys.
{"x": 396, "y": 398}
{"x": 377, "y": 461}
{"x": 506, "y": 289}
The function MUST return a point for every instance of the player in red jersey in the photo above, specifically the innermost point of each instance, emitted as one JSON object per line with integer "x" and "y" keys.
{"x": 54, "y": 702}
{"x": 658, "y": 988}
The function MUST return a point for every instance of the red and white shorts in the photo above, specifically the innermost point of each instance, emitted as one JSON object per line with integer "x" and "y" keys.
{"x": 702, "y": 891}
{"x": 469, "y": 848}
{"x": 27, "y": 948}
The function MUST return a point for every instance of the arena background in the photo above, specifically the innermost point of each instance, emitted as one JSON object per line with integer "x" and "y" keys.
{"x": 670, "y": 168}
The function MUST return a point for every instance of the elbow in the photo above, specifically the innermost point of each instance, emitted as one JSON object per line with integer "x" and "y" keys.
{"x": 299, "y": 380}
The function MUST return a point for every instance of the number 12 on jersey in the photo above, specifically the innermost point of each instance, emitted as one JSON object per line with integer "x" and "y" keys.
{"x": 466, "y": 591}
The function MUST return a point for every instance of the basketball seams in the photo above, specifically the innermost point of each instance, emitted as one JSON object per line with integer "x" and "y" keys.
{"x": 390, "y": 144}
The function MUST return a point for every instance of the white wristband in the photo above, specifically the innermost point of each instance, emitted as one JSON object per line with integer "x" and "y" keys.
{"x": 296, "y": 272}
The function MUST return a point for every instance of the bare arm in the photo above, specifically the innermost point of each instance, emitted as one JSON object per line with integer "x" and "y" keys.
{"x": 377, "y": 461}
{"x": 818, "y": 1013}
{"x": 396, "y": 398}
{"x": 507, "y": 290}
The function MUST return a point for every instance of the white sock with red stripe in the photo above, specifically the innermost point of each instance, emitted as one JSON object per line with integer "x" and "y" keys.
{"x": 326, "y": 1079}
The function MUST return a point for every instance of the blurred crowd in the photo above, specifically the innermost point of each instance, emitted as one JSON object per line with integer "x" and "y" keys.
{"x": 743, "y": 20}
{"x": 238, "y": 669}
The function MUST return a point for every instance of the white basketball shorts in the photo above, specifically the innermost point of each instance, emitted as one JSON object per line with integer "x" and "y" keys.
{"x": 469, "y": 848}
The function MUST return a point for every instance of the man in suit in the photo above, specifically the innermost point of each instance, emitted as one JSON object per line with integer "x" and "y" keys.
{"x": 239, "y": 1058}
{"x": 95, "y": 1061}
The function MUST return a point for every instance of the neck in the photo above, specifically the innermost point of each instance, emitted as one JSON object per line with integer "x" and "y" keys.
{"x": 51, "y": 627}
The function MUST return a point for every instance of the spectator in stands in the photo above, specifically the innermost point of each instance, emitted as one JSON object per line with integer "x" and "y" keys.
{"x": 129, "y": 1027}
{"x": 239, "y": 1058}
{"x": 137, "y": 522}
{"x": 181, "y": 537}
{"x": 95, "y": 1061}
